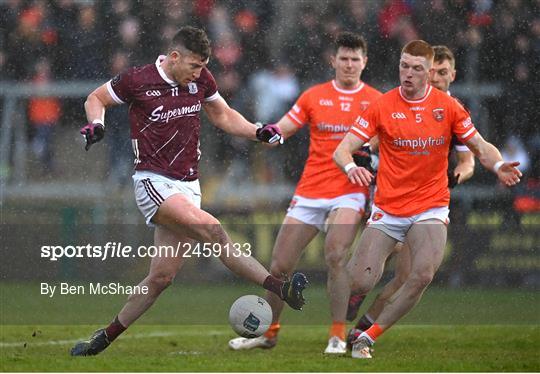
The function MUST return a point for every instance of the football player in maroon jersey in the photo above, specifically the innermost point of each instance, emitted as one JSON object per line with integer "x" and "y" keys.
{"x": 165, "y": 99}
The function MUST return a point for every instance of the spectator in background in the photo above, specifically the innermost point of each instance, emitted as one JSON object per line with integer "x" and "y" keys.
{"x": 503, "y": 30}
{"x": 85, "y": 39}
{"x": 535, "y": 48}
{"x": 129, "y": 39}
{"x": 390, "y": 15}
{"x": 25, "y": 44}
{"x": 121, "y": 9}
{"x": 304, "y": 47}
{"x": 357, "y": 16}
{"x": 514, "y": 149}
{"x": 252, "y": 40}
{"x": 273, "y": 91}
{"x": 219, "y": 22}
{"x": 527, "y": 198}
{"x": 227, "y": 52}
{"x": 435, "y": 21}
{"x": 63, "y": 15}
{"x": 516, "y": 204}
{"x": 202, "y": 9}
{"x": 43, "y": 115}
{"x": 521, "y": 102}
{"x": 9, "y": 12}
{"x": 396, "y": 28}
{"x": 481, "y": 13}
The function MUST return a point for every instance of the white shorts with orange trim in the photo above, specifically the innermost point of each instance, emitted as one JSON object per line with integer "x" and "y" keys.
{"x": 152, "y": 189}
{"x": 397, "y": 227}
{"x": 315, "y": 211}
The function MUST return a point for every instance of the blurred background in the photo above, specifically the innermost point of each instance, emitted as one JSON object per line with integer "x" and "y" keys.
{"x": 53, "y": 53}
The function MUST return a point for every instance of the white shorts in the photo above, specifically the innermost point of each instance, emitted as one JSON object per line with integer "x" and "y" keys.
{"x": 152, "y": 189}
{"x": 315, "y": 211}
{"x": 397, "y": 227}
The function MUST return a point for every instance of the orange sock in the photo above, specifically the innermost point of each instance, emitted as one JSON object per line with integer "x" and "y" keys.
{"x": 272, "y": 331}
{"x": 374, "y": 331}
{"x": 338, "y": 329}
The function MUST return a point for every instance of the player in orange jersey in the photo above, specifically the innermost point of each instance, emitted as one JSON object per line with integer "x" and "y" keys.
{"x": 415, "y": 123}
{"x": 324, "y": 199}
{"x": 443, "y": 74}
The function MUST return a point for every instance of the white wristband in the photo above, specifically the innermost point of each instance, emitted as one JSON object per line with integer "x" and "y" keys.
{"x": 349, "y": 166}
{"x": 98, "y": 121}
{"x": 497, "y": 166}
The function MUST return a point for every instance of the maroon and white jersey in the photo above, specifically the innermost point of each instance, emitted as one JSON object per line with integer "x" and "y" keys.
{"x": 164, "y": 118}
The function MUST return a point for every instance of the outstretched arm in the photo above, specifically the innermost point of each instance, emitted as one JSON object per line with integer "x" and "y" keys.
{"x": 491, "y": 159}
{"x": 229, "y": 120}
{"x": 287, "y": 127}
{"x": 343, "y": 158}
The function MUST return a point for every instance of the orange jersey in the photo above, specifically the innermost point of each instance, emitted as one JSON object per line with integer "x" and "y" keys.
{"x": 330, "y": 112}
{"x": 415, "y": 139}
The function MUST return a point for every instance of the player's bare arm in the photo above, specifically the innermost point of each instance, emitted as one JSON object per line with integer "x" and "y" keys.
{"x": 287, "y": 127}
{"x": 491, "y": 159}
{"x": 374, "y": 144}
{"x": 97, "y": 102}
{"x": 95, "y": 106}
{"x": 232, "y": 122}
{"x": 343, "y": 158}
{"x": 464, "y": 169}
{"x": 229, "y": 120}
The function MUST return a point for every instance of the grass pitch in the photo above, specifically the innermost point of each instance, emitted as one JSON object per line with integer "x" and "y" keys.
{"x": 472, "y": 330}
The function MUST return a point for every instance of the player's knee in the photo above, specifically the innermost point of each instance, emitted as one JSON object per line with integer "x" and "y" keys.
{"x": 160, "y": 281}
{"x": 359, "y": 286}
{"x": 421, "y": 279}
{"x": 401, "y": 277}
{"x": 214, "y": 233}
{"x": 335, "y": 257}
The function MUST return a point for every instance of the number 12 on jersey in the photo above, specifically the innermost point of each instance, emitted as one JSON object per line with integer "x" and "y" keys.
{"x": 345, "y": 107}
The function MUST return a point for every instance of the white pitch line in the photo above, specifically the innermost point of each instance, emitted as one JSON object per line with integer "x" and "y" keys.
{"x": 156, "y": 334}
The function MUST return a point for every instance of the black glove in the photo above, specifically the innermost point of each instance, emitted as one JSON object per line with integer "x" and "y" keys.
{"x": 93, "y": 133}
{"x": 363, "y": 158}
{"x": 452, "y": 179}
{"x": 269, "y": 133}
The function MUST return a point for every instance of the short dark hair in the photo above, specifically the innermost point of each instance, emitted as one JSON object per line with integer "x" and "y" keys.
{"x": 443, "y": 53}
{"x": 193, "y": 39}
{"x": 351, "y": 40}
